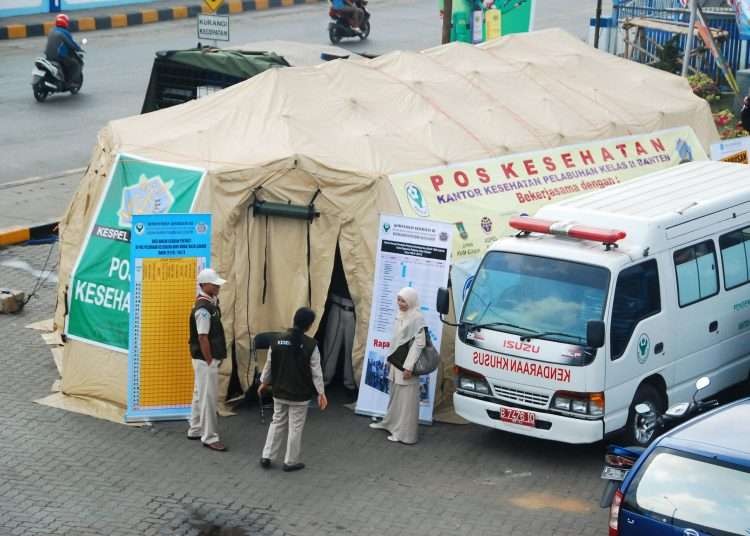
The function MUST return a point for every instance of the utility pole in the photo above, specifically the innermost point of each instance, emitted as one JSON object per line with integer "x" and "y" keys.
{"x": 689, "y": 38}
{"x": 447, "y": 20}
{"x": 598, "y": 23}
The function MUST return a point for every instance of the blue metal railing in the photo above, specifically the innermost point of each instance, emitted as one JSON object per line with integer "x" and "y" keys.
{"x": 732, "y": 48}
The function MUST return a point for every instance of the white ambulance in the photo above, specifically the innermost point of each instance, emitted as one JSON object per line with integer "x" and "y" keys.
{"x": 608, "y": 300}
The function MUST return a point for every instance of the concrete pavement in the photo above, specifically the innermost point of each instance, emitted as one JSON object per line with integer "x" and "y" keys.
{"x": 66, "y": 474}
{"x": 105, "y": 18}
{"x": 31, "y": 208}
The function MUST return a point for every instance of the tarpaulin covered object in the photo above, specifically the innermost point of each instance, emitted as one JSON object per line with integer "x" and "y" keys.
{"x": 341, "y": 128}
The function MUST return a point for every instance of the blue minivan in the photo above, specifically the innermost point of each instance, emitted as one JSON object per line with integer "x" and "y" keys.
{"x": 692, "y": 481}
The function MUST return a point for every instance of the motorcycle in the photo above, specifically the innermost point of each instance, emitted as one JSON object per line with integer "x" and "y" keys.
{"x": 341, "y": 26}
{"x": 48, "y": 77}
{"x": 619, "y": 460}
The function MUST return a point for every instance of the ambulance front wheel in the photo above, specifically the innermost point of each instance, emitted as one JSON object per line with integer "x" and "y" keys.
{"x": 640, "y": 429}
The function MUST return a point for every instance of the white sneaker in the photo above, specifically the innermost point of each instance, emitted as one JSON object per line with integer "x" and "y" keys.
{"x": 393, "y": 438}
{"x": 377, "y": 426}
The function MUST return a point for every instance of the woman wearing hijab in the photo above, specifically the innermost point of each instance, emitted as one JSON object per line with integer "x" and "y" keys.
{"x": 402, "y": 417}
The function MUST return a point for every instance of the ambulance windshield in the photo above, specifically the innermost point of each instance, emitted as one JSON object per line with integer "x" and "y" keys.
{"x": 546, "y": 298}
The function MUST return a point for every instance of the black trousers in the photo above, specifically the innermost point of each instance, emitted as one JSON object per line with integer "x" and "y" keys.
{"x": 71, "y": 70}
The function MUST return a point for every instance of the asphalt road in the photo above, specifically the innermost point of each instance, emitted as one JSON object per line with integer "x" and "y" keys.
{"x": 44, "y": 139}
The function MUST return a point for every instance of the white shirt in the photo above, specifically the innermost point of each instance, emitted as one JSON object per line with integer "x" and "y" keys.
{"x": 202, "y": 316}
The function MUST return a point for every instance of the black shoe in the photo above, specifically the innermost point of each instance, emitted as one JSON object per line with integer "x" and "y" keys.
{"x": 265, "y": 463}
{"x": 293, "y": 467}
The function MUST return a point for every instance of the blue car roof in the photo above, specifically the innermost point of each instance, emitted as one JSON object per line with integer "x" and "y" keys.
{"x": 722, "y": 434}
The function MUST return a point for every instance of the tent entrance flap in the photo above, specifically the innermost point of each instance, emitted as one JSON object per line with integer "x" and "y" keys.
{"x": 287, "y": 210}
{"x": 335, "y": 334}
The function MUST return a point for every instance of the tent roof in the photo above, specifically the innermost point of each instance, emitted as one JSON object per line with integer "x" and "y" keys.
{"x": 297, "y": 54}
{"x": 412, "y": 110}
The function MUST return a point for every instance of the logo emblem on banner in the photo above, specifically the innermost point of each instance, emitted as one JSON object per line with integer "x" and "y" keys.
{"x": 386, "y": 227}
{"x": 486, "y": 224}
{"x": 149, "y": 196}
{"x": 417, "y": 200}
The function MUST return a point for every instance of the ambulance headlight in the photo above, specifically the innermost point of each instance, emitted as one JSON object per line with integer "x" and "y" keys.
{"x": 471, "y": 381}
{"x": 590, "y": 404}
{"x": 579, "y": 406}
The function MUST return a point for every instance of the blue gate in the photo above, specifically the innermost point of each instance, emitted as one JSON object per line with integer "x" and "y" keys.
{"x": 733, "y": 48}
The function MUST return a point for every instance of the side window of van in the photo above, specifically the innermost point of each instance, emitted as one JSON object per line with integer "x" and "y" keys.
{"x": 637, "y": 296}
{"x": 697, "y": 276}
{"x": 735, "y": 257}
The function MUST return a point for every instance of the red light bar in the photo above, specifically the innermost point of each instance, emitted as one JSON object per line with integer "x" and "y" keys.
{"x": 531, "y": 225}
{"x": 582, "y": 232}
{"x": 607, "y": 236}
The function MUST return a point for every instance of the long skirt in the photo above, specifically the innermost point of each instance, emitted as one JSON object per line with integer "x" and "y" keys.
{"x": 402, "y": 417}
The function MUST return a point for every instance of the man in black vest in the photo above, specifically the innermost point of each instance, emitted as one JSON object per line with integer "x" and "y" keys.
{"x": 207, "y": 347}
{"x": 293, "y": 369}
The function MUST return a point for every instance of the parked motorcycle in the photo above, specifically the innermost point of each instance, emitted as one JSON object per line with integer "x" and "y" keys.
{"x": 341, "y": 26}
{"x": 619, "y": 460}
{"x": 48, "y": 77}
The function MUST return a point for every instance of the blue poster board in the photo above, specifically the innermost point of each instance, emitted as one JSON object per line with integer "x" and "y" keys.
{"x": 166, "y": 253}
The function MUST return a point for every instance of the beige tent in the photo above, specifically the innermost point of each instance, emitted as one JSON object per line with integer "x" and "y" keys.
{"x": 343, "y": 127}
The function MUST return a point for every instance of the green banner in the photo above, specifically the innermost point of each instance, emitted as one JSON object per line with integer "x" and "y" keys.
{"x": 99, "y": 293}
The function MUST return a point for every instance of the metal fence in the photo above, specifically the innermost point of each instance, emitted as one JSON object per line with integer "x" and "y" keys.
{"x": 734, "y": 49}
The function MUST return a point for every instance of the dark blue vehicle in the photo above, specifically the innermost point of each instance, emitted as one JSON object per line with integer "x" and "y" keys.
{"x": 692, "y": 481}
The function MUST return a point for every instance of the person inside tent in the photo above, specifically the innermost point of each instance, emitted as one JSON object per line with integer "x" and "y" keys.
{"x": 339, "y": 329}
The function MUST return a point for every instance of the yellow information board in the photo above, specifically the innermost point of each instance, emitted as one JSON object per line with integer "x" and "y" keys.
{"x": 167, "y": 252}
{"x": 168, "y": 295}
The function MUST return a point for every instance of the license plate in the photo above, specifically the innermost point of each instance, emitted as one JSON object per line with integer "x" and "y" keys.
{"x": 518, "y": 416}
{"x": 613, "y": 473}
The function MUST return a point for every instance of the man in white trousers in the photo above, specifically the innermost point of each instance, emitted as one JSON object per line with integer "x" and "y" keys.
{"x": 208, "y": 348}
{"x": 293, "y": 370}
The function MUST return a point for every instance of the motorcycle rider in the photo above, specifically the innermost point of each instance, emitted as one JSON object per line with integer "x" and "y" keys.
{"x": 349, "y": 9}
{"x": 61, "y": 47}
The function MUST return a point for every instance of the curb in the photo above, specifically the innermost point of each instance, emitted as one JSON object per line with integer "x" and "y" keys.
{"x": 18, "y": 235}
{"x": 143, "y": 16}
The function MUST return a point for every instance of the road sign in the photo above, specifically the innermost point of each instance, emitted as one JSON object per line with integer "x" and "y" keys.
{"x": 213, "y": 5}
{"x": 215, "y": 27}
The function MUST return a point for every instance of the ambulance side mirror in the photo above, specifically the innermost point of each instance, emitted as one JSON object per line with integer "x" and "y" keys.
{"x": 442, "y": 303}
{"x": 595, "y": 334}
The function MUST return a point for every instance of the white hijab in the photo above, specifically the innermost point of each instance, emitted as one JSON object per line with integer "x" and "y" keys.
{"x": 409, "y": 322}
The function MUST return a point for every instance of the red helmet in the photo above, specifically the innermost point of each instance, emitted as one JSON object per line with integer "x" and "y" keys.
{"x": 62, "y": 20}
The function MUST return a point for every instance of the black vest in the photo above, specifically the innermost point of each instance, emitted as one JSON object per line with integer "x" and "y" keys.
{"x": 215, "y": 333}
{"x": 291, "y": 375}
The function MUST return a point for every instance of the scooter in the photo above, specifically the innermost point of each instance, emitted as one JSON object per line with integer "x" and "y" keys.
{"x": 48, "y": 77}
{"x": 341, "y": 27}
{"x": 619, "y": 460}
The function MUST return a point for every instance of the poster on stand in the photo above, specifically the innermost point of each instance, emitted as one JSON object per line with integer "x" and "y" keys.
{"x": 167, "y": 253}
{"x": 411, "y": 253}
{"x": 734, "y": 150}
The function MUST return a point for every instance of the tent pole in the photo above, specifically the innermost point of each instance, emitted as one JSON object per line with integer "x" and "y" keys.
{"x": 689, "y": 38}
{"x": 598, "y": 23}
